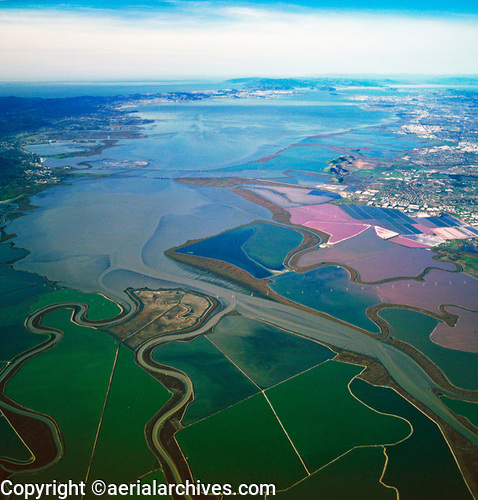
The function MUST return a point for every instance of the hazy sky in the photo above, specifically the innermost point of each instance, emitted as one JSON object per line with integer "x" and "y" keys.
{"x": 155, "y": 40}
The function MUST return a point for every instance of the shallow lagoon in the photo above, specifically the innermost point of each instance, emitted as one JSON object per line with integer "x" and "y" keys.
{"x": 217, "y": 383}
{"x": 212, "y": 133}
{"x": 329, "y": 290}
{"x": 257, "y": 248}
{"x": 84, "y": 230}
{"x": 266, "y": 354}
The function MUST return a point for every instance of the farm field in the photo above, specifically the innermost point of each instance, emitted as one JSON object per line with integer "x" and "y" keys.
{"x": 257, "y": 280}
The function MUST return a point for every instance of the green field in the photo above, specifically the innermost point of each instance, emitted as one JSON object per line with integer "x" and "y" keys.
{"x": 217, "y": 382}
{"x": 242, "y": 444}
{"x": 452, "y": 251}
{"x": 324, "y": 420}
{"x": 11, "y": 446}
{"x": 355, "y": 476}
{"x": 134, "y": 398}
{"x": 68, "y": 382}
{"x": 461, "y": 368}
{"x": 464, "y": 408}
{"x": 267, "y": 354}
{"x": 99, "y": 307}
{"x": 421, "y": 466}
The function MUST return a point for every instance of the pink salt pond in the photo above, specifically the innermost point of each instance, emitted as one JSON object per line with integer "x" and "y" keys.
{"x": 401, "y": 240}
{"x": 327, "y": 218}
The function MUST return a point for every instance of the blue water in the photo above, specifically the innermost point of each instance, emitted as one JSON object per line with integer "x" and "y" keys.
{"x": 201, "y": 135}
{"x": 227, "y": 247}
{"x": 124, "y": 222}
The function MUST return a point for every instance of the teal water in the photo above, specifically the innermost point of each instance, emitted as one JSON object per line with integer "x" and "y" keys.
{"x": 369, "y": 138}
{"x": 304, "y": 158}
{"x": 228, "y": 248}
{"x": 14, "y": 337}
{"x": 18, "y": 292}
{"x": 329, "y": 290}
{"x": 270, "y": 244}
{"x": 464, "y": 408}
{"x": 217, "y": 383}
{"x": 460, "y": 367}
{"x": 17, "y": 286}
{"x": 266, "y": 354}
{"x": 10, "y": 254}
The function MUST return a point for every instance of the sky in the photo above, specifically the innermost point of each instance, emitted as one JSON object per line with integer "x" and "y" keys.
{"x": 153, "y": 40}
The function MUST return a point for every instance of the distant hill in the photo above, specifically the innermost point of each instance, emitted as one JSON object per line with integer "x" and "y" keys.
{"x": 257, "y": 83}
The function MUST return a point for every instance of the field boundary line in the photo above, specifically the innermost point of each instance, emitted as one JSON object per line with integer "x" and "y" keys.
{"x": 102, "y": 414}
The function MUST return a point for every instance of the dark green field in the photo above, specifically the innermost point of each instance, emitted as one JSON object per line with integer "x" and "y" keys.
{"x": 242, "y": 444}
{"x": 421, "y": 466}
{"x": 464, "y": 408}
{"x": 324, "y": 420}
{"x": 461, "y": 368}
{"x": 355, "y": 476}
{"x": 11, "y": 445}
{"x": 134, "y": 398}
{"x": 65, "y": 382}
{"x": 99, "y": 307}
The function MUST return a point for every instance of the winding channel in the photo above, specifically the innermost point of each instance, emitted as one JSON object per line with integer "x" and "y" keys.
{"x": 143, "y": 359}
{"x": 33, "y": 324}
{"x": 412, "y": 377}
